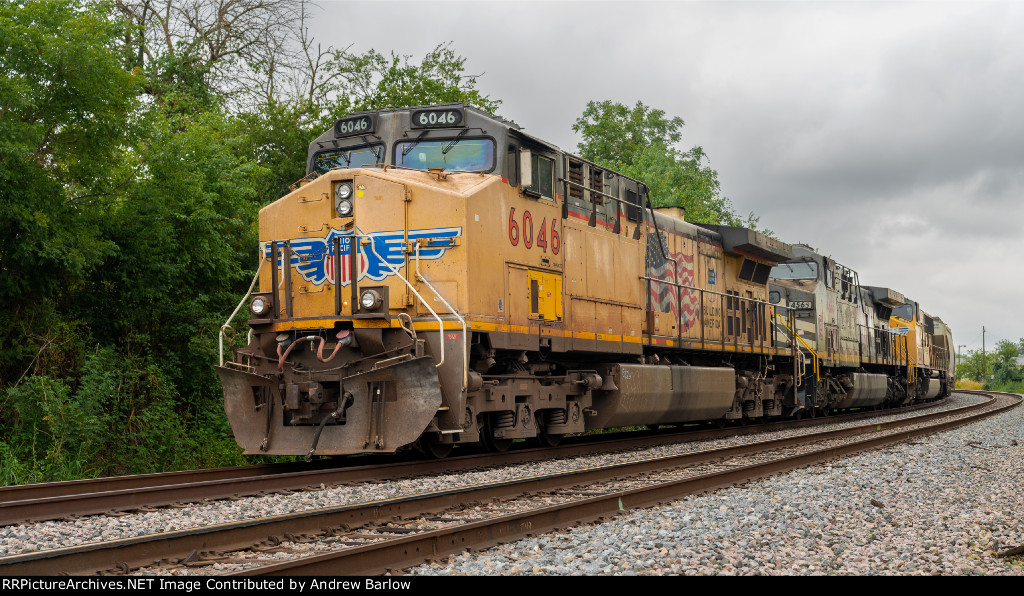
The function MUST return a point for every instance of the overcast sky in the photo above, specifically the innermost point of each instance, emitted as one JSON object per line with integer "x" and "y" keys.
{"x": 887, "y": 135}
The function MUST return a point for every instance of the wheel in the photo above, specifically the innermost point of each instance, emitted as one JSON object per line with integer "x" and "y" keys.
{"x": 491, "y": 443}
{"x": 496, "y": 445}
{"x": 545, "y": 438}
{"x": 549, "y": 440}
{"x": 432, "y": 447}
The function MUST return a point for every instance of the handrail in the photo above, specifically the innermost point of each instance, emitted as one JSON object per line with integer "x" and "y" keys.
{"x": 227, "y": 324}
{"x": 794, "y": 334}
{"x": 440, "y": 323}
{"x": 685, "y": 287}
{"x": 465, "y": 336}
{"x": 722, "y": 296}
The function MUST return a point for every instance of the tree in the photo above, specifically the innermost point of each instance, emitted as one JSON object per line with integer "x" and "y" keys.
{"x": 232, "y": 50}
{"x": 65, "y": 102}
{"x": 394, "y": 82}
{"x": 1002, "y": 365}
{"x": 640, "y": 142}
{"x": 136, "y": 148}
{"x": 995, "y": 368}
{"x": 278, "y": 135}
{"x": 970, "y": 366}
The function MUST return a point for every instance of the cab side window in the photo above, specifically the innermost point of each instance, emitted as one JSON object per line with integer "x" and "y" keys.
{"x": 512, "y": 165}
{"x": 543, "y": 176}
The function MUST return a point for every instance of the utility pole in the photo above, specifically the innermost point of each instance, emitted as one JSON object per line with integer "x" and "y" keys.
{"x": 984, "y": 372}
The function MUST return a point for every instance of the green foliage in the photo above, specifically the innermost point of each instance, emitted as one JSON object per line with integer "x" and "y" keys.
{"x": 615, "y": 133}
{"x": 277, "y": 138}
{"x": 53, "y": 434}
{"x": 640, "y": 142}
{"x": 997, "y": 369}
{"x": 186, "y": 242}
{"x": 123, "y": 418}
{"x": 128, "y": 222}
{"x": 969, "y": 366}
{"x": 64, "y": 106}
{"x": 374, "y": 81}
{"x": 277, "y": 135}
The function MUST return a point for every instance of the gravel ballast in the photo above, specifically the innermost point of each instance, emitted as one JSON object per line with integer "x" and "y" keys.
{"x": 942, "y": 504}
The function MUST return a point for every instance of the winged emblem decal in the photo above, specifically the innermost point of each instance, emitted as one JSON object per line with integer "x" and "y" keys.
{"x": 313, "y": 258}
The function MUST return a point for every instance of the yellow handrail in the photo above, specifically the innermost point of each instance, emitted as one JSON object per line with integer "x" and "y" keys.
{"x": 807, "y": 346}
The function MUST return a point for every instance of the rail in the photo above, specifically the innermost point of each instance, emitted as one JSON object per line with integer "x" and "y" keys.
{"x": 362, "y": 518}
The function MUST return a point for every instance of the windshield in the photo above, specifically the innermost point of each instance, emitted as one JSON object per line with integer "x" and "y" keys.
{"x": 904, "y": 311}
{"x": 348, "y": 157}
{"x": 454, "y": 155}
{"x": 802, "y": 270}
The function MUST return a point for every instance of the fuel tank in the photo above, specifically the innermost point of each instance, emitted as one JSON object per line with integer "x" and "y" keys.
{"x": 868, "y": 390}
{"x": 653, "y": 394}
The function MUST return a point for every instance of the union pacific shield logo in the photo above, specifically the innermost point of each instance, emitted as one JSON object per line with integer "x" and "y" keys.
{"x": 313, "y": 258}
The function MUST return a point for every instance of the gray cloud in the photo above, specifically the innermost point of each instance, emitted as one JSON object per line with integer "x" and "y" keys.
{"x": 889, "y": 135}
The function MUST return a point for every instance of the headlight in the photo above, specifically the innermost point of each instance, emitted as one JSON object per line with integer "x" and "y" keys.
{"x": 343, "y": 199}
{"x": 370, "y": 300}
{"x": 259, "y": 306}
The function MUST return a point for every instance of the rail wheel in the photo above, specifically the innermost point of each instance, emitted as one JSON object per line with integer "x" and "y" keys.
{"x": 430, "y": 444}
{"x": 491, "y": 443}
{"x": 545, "y": 438}
{"x": 549, "y": 440}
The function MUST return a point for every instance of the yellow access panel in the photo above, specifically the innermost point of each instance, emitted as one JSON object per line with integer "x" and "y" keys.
{"x": 545, "y": 296}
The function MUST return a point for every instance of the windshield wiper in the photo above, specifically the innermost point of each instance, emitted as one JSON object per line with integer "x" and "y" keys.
{"x": 454, "y": 142}
{"x": 414, "y": 143}
{"x": 377, "y": 149}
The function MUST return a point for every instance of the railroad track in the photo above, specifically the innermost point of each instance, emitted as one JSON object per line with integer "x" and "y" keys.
{"x": 68, "y": 500}
{"x": 391, "y": 534}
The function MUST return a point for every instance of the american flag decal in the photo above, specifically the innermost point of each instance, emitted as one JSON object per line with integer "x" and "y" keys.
{"x": 313, "y": 258}
{"x": 664, "y": 296}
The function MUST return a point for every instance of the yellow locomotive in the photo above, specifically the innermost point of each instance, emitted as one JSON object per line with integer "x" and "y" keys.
{"x": 441, "y": 277}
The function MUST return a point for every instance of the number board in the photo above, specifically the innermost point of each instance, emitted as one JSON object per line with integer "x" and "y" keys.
{"x": 355, "y": 125}
{"x": 437, "y": 118}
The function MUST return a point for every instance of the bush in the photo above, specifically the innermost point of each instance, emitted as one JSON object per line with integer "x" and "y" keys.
{"x": 123, "y": 418}
{"x": 53, "y": 432}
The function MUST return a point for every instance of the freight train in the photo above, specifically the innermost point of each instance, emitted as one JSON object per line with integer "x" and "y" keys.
{"x": 441, "y": 277}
